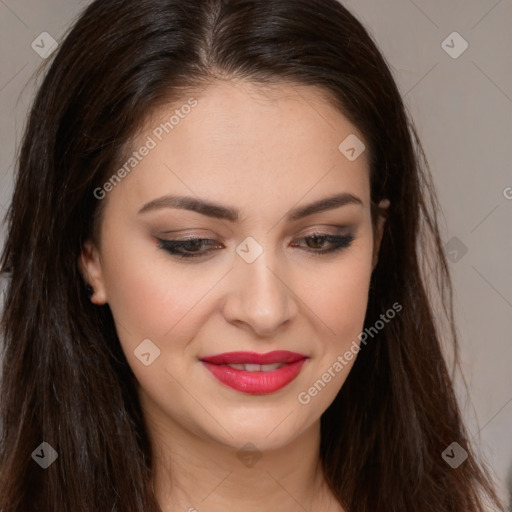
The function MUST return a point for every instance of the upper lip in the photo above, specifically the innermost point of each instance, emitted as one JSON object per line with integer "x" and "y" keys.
{"x": 277, "y": 356}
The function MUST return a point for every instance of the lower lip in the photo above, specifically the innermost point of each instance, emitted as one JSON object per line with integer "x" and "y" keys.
{"x": 256, "y": 383}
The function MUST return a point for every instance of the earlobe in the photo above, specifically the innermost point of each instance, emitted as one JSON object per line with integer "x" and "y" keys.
{"x": 89, "y": 263}
{"x": 381, "y": 221}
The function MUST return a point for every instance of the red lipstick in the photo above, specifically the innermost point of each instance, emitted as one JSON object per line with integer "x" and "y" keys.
{"x": 276, "y": 370}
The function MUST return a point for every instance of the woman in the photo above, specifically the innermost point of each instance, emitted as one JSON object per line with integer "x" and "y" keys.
{"x": 217, "y": 252}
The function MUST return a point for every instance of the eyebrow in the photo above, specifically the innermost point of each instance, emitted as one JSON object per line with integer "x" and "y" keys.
{"x": 219, "y": 211}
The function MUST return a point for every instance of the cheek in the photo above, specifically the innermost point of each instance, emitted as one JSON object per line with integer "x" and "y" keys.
{"x": 338, "y": 294}
{"x": 147, "y": 292}
{"x": 349, "y": 299}
{"x": 341, "y": 306}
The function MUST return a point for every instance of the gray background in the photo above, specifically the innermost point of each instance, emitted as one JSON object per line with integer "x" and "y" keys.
{"x": 462, "y": 108}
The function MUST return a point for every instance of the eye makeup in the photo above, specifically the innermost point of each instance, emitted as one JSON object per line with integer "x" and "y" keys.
{"x": 197, "y": 247}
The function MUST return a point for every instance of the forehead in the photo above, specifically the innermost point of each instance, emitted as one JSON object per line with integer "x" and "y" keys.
{"x": 248, "y": 143}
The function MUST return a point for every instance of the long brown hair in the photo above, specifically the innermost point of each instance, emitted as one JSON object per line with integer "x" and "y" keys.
{"x": 65, "y": 378}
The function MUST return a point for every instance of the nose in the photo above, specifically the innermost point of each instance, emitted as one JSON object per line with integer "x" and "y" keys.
{"x": 260, "y": 297}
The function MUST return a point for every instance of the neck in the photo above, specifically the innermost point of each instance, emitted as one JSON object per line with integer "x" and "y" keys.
{"x": 197, "y": 474}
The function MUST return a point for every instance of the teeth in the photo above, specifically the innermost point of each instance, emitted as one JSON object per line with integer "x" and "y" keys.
{"x": 271, "y": 367}
{"x": 237, "y": 366}
{"x": 252, "y": 368}
{"x": 256, "y": 367}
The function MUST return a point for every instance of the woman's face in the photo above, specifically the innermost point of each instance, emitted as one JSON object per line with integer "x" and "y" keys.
{"x": 275, "y": 273}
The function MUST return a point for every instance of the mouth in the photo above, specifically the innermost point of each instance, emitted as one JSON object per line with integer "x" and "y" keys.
{"x": 253, "y": 373}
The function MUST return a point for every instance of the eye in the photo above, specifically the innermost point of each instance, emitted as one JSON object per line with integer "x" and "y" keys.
{"x": 195, "y": 247}
{"x": 316, "y": 242}
{"x": 187, "y": 247}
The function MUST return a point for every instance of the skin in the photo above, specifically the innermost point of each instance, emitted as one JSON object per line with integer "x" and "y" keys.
{"x": 264, "y": 151}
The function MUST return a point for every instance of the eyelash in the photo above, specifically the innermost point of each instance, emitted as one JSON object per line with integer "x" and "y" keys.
{"x": 174, "y": 246}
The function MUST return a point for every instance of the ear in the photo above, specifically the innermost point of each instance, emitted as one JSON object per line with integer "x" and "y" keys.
{"x": 381, "y": 220}
{"x": 89, "y": 263}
